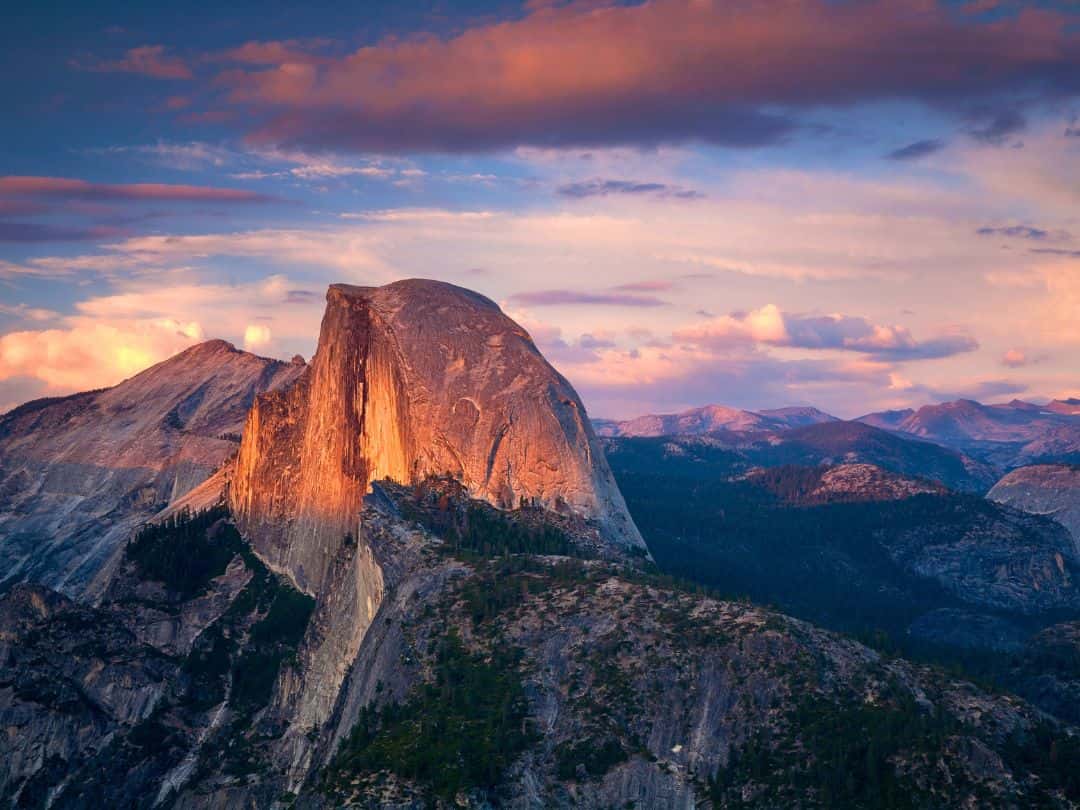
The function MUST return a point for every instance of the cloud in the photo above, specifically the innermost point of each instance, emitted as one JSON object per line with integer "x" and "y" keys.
{"x": 1044, "y": 175}
{"x": 256, "y": 336}
{"x": 916, "y": 150}
{"x": 263, "y": 162}
{"x": 92, "y": 354}
{"x": 1015, "y": 232}
{"x": 28, "y": 313}
{"x": 192, "y": 155}
{"x": 36, "y": 232}
{"x": 604, "y": 188}
{"x": 65, "y": 195}
{"x": 655, "y": 285}
{"x": 588, "y": 73}
{"x": 20, "y": 208}
{"x": 658, "y": 375}
{"x": 1019, "y": 358}
{"x": 153, "y": 61}
{"x": 555, "y": 298}
{"x": 300, "y": 297}
{"x": 1075, "y": 254}
{"x": 68, "y": 188}
{"x": 995, "y": 127}
{"x": 770, "y": 326}
{"x": 274, "y": 52}
{"x": 111, "y": 337}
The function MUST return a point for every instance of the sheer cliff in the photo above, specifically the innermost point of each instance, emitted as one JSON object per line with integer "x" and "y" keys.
{"x": 79, "y": 473}
{"x": 412, "y": 379}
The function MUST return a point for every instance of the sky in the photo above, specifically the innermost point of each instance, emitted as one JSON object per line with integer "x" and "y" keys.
{"x": 854, "y": 205}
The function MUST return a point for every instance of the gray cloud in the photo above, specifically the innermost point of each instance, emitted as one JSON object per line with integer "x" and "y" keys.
{"x": 553, "y": 298}
{"x": 1057, "y": 252}
{"x": 1015, "y": 232}
{"x": 994, "y": 127}
{"x": 919, "y": 149}
{"x": 604, "y": 188}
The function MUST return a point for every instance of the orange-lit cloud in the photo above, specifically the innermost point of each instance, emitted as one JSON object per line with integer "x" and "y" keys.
{"x": 92, "y": 354}
{"x": 590, "y": 73}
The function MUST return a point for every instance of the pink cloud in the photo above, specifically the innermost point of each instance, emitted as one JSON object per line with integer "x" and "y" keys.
{"x": 91, "y": 354}
{"x": 588, "y": 72}
{"x": 771, "y": 326}
{"x": 1019, "y": 358}
{"x": 15, "y": 186}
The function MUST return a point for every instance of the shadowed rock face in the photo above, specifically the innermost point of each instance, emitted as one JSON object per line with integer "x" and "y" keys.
{"x": 79, "y": 473}
{"x": 1044, "y": 489}
{"x": 411, "y": 379}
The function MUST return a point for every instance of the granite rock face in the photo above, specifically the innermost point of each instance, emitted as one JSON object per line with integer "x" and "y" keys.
{"x": 79, "y": 473}
{"x": 412, "y": 379}
{"x": 1044, "y": 489}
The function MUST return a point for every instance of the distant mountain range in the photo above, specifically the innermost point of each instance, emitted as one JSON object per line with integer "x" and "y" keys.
{"x": 711, "y": 418}
{"x": 1007, "y": 435}
{"x": 1003, "y": 436}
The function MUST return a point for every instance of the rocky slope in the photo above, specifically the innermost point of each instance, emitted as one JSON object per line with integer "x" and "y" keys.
{"x": 712, "y": 418}
{"x": 852, "y": 546}
{"x": 1044, "y": 489}
{"x": 78, "y": 473}
{"x": 485, "y": 680}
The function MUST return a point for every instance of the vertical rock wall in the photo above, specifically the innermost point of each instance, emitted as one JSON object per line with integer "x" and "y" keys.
{"x": 410, "y": 379}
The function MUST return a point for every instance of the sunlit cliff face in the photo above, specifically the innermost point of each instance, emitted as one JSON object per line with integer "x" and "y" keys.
{"x": 412, "y": 379}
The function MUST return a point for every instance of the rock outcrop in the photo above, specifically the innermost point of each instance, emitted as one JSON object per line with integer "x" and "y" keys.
{"x": 1044, "y": 489}
{"x": 79, "y": 473}
{"x": 844, "y": 483}
{"x": 413, "y": 379}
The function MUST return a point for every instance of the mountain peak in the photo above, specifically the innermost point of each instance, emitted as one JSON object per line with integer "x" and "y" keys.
{"x": 106, "y": 460}
{"x": 1065, "y": 407}
{"x": 212, "y": 346}
{"x": 412, "y": 379}
{"x": 431, "y": 291}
